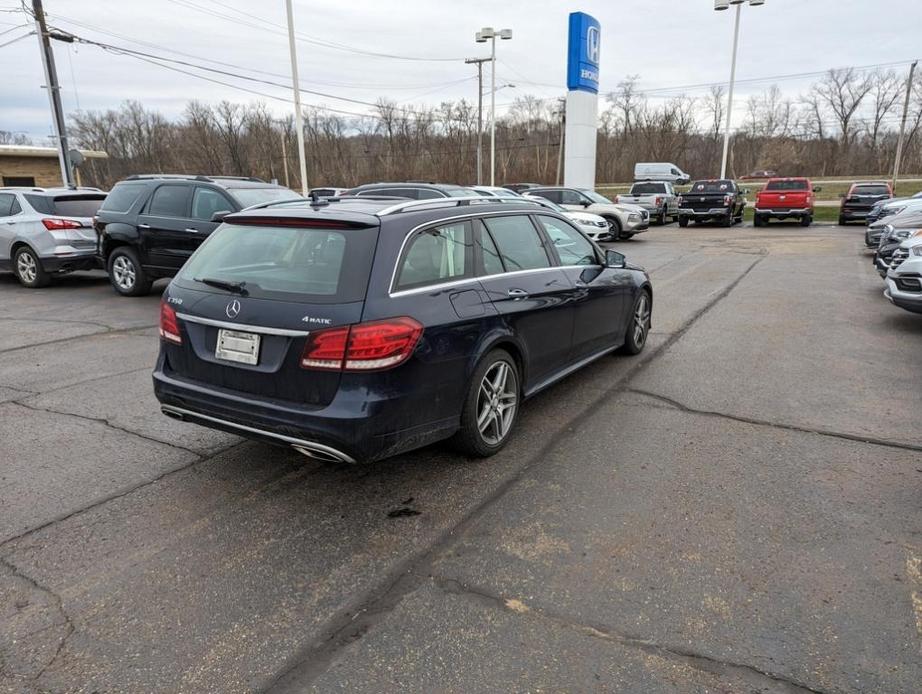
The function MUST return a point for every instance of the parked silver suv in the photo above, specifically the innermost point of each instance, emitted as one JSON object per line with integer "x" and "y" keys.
{"x": 47, "y": 231}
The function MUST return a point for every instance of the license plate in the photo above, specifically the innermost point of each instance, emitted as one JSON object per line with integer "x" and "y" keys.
{"x": 242, "y": 348}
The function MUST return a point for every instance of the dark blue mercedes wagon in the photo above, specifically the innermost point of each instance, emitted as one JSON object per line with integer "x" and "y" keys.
{"x": 356, "y": 329}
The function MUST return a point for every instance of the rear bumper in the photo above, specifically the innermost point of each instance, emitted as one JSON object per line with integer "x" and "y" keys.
{"x": 350, "y": 429}
{"x": 853, "y": 213}
{"x": 711, "y": 213}
{"x": 69, "y": 262}
{"x": 784, "y": 212}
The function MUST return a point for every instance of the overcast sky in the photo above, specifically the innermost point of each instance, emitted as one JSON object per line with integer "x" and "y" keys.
{"x": 669, "y": 43}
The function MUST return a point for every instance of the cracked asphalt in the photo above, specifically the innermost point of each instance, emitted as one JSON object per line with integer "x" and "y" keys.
{"x": 738, "y": 509}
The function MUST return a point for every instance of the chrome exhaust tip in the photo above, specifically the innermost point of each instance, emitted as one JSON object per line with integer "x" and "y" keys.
{"x": 322, "y": 455}
{"x": 171, "y": 413}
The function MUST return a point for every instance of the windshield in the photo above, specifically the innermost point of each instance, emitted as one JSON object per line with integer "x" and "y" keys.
{"x": 256, "y": 196}
{"x": 786, "y": 185}
{"x": 285, "y": 263}
{"x": 871, "y": 190}
{"x": 713, "y": 187}
{"x": 595, "y": 197}
{"x": 648, "y": 188}
{"x": 67, "y": 205}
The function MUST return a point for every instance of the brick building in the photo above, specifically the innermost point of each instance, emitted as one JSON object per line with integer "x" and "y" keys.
{"x": 36, "y": 166}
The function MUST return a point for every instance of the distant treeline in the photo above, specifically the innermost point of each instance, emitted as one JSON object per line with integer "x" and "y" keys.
{"x": 844, "y": 124}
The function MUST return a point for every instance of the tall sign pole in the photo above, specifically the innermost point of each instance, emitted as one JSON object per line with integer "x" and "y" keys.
{"x": 296, "y": 86}
{"x": 899, "y": 143}
{"x": 54, "y": 94}
{"x": 581, "y": 120}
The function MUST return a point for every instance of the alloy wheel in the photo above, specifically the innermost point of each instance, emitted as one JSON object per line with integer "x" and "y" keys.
{"x": 123, "y": 273}
{"x": 641, "y": 320}
{"x": 26, "y": 267}
{"x": 497, "y": 402}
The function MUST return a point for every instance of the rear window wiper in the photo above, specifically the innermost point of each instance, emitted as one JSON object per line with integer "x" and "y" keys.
{"x": 235, "y": 287}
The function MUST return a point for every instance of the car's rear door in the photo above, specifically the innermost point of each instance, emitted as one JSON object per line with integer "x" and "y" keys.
{"x": 529, "y": 291}
{"x": 164, "y": 227}
{"x": 601, "y": 294}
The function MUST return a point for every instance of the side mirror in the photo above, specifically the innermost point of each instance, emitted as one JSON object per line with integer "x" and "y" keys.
{"x": 586, "y": 203}
{"x": 614, "y": 259}
{"x": 220, "y": 215}
{"x": 816, "y": 189}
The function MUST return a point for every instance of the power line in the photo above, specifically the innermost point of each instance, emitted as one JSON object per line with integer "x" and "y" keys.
{"x": 17, "y": 39}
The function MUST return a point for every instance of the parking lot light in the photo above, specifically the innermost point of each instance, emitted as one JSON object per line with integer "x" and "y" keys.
{"x": 482, "y": 36}
{"x": 725, "y": 5}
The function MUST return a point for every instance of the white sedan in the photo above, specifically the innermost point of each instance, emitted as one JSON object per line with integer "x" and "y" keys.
{"x": 595, "y": 227}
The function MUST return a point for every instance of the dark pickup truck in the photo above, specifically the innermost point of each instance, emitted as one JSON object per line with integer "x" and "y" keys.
{"x": 716, "y": 200}
{"x": 860, "y": 198}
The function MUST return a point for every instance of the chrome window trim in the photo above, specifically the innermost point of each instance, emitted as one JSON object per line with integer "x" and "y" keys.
{"x": 243, "y": 327}
{"x": 392, "y": 285}
{"x": 443, "y": 285}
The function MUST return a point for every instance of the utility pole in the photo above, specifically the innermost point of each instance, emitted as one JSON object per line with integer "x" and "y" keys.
{"x": 736, "y": 40}
{"x": 285, "y": 156}
{"x": 479, "y": 62}
{"x": 54, "y": 94}
{"x": 296, "y": 85}
{"x": 563, "y": 121}
{"x": 899, "y": 143}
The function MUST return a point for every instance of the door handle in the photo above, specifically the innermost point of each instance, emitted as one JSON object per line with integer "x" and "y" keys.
{"x": 517, "y": 293}
{"x": 143, "y": 226}
{"x": 191, "y": 230}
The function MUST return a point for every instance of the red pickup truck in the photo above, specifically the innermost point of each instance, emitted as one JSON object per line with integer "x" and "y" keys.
{"x": 785, "y": 198}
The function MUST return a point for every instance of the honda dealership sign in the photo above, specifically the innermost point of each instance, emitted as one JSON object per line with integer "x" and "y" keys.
{"x": 582, "y": 100}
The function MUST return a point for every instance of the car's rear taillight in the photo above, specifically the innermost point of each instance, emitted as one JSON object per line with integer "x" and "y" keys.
{"x": 659, "y": 201}
{"x": 169, "y": 324}
{"x": 54, "y": 223}
{"x": 325, "y": 349}
{"x": 363, "y": 347}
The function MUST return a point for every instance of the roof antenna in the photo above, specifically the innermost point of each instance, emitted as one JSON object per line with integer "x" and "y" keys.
{"x": 317, "y": 200}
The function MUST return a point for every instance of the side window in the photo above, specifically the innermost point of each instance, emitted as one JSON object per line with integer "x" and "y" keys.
{"x": 676, "y": 172}
{"x": 552, "y": 195}
{"x": 169, "y": 201}
{"x": 571, "y": 197}
{"x": 122, "y": 196}
{"x": 6, "y": 204}
{"x": 205, "y": 202}
{"x": 15, "y": 208}
{"x": 492, "y": 265}
{"x": 571, "y": 246}
{"x": 518, "y": 242}
{"x": 439, "y": 254}
{"x": 426, "y": 194}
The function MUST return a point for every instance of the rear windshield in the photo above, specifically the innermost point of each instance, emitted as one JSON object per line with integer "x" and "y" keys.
{"x": 122, "y": 197}
{"x": 786, "y": 185}
{"x": 285, "y": 263}
{"x": 713, "y": 187}
{"x": 871, "y": 190}
{"x": 648, "y": 188}
{"x": 257, "y": 196}
{"x": 67, "y": 205}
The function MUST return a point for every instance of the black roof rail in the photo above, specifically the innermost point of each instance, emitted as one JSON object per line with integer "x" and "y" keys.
{"x": 192, "y": 177}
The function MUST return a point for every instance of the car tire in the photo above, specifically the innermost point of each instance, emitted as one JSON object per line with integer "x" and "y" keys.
{"x": 842, "y": 221}
{"x": 27, "y": 267}
{"x": 806, "y": 221}
{"x": 614, "y": 227}
{"x": 126, "y": 274}
{"x": 638, "y": 329}
{"x": 728, "y": 220}
{"x": 683, "y": 221}
{"x": 757, "y": 220}
{"x": 664, "y": 216}
{"x": 485, "y": 426}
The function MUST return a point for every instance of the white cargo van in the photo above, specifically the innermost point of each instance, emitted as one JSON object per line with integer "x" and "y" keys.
{"x": 662, "y": 171}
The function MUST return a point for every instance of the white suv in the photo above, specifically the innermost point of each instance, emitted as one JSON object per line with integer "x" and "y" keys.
{"x": 904, "y": 278}
{"x": 625, "y": 220}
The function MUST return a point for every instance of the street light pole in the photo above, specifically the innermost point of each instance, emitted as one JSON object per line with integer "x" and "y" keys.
{"x": 479, "y": 62}
{"x": 724, "y": 5}
{"x": 482, "y": 36}
{"x": 296, "y": 85}
{"x": 899, "y": 142}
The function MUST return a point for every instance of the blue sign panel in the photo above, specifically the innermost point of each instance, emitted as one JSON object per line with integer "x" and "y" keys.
{"x": 583, "y": 53}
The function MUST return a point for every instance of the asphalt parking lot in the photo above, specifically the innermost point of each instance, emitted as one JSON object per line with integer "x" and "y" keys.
{"x": 736, "y": 510}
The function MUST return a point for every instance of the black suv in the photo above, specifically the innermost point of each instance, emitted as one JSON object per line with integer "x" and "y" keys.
{"x": 150, "y": 225}
{"x": 360, "y": 328}
{"x": 412, "y": 190}
{"x": 714, "y": 200}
